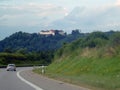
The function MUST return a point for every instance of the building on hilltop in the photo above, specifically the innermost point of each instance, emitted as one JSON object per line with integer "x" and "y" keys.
{"x": 51, "y": 32}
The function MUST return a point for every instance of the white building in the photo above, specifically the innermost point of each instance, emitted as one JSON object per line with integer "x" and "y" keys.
{"x": 52, "y": 32}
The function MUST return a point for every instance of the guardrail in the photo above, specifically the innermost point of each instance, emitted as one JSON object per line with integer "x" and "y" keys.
{"x": 23, "y": 65}
{"x": 3, "y": 66}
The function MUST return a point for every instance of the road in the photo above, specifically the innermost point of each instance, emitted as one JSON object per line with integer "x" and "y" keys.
{"x": 25, "y": 79}
{"x": 10, "y": 81}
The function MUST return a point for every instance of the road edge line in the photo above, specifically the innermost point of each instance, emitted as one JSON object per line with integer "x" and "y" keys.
{"x": 29, "y": 83}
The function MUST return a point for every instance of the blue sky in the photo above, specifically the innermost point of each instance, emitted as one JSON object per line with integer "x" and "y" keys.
{"x": 36, "y": 15}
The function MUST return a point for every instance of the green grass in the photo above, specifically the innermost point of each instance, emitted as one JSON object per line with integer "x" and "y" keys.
{"x": 95, "y": 73}
{"x": 96, "y": 68}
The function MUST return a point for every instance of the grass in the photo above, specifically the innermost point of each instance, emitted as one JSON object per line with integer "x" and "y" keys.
{"x": 95, "y": 68}
{"x": 95, "y": 73}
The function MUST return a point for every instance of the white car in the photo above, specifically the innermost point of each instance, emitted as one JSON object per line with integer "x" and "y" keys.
{"x": 11, "y": 67}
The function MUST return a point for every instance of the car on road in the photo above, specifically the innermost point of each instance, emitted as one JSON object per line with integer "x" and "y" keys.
{"x": 11, "y": 67}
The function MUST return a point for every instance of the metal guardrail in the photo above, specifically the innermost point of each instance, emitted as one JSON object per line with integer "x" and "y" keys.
{"x": 3, "y": 66}
{"x": 24, "y": 65}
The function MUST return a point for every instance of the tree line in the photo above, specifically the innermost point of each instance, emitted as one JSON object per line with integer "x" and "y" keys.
{"x": 24, "y": 48}
{"x": 36, "y": 42}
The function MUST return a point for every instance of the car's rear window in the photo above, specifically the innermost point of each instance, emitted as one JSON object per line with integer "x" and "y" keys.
{"x": 11, "y": 65}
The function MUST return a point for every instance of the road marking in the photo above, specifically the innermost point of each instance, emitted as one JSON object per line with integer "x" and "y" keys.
{"x": 29, "y": 83}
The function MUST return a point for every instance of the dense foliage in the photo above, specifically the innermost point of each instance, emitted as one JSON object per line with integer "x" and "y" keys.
{"x": 25, "y": 48}
{"x": 31, "y": 58}
{"x": 93, "y": 40}
{"x": 36, "y": 42}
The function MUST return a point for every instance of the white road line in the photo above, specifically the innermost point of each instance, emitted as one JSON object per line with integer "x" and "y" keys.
{"x": 29, "y": 83}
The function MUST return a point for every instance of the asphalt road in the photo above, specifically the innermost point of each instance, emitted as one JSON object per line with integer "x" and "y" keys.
{"x": 25, "y": 79}
{"x": 10, "y": 81}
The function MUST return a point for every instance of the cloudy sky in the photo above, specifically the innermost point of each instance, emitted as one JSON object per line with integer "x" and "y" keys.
{"x": 36, "y": 15}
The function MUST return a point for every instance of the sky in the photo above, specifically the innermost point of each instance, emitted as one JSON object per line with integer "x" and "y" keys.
{"x": 32, "y": 16}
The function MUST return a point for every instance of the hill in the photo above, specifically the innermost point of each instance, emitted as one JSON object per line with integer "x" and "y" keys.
{"x": 92, "y": 61}
{"x": 36, "y": 42}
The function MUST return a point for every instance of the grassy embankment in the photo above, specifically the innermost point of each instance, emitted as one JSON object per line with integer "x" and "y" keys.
{"x": 97, "y": 68}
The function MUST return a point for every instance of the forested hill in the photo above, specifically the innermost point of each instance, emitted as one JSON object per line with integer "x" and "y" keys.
{"x": 36, "y": 42}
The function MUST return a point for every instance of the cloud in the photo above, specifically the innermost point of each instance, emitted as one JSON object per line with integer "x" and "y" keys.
{"x": 41, "y": 6}
{"x": 49, "y": 16}
{"x": 117, "y": 3}
{"x": 89, "y": 20}
{"x": 30, "y": 14}
{"x": 48, "y": 9}
{"x": 4, "y": 0}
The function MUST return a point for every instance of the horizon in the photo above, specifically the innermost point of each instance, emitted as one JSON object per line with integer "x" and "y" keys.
{"x": 58, "y": 30}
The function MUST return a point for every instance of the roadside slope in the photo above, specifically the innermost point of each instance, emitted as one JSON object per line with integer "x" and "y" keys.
{"x": 91, "y": 62}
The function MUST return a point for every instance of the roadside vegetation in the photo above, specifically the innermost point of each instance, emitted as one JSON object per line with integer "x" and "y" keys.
{"x": 92, "y": 61}
{"x": 26, "y": 49}
{"x": 24, "y": 58}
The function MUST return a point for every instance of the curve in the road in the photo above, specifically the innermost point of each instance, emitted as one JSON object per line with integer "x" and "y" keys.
{"x": 29, "y": 83}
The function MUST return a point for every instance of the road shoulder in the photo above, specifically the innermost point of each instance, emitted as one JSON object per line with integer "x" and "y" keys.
{"x": 47, "y": 83}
